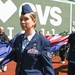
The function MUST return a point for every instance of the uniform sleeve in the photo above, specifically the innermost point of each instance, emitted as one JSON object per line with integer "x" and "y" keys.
{"x": 46, "y": 58}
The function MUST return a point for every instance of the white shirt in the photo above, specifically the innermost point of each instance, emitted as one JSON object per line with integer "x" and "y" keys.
{"x": 25, "y": 42}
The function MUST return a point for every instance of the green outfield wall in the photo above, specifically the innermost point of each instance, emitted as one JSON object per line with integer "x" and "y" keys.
{"x": 53, "y": 16}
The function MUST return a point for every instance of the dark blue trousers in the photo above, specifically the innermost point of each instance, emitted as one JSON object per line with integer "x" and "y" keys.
{"x": 71, "y": 68}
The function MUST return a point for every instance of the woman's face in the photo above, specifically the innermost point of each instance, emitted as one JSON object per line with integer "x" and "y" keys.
{"x": 26, "y": 22}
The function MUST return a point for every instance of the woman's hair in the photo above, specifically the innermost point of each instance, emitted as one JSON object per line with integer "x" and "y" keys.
{"x": 33, "y": 16}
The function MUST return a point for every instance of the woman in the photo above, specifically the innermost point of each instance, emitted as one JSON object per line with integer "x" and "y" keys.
{"x": 31, "y": 50}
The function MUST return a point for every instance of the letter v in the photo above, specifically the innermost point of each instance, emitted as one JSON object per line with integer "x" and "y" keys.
{"x": 42, "y": 18}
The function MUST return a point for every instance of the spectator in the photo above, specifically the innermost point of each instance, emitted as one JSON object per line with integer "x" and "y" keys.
{"x": 3, "y": 37}
{"x": 40, "y": 32}
{"x": 62, "y": 53}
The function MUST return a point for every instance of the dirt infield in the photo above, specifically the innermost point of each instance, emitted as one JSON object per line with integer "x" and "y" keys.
{"x": 60, "y": 69}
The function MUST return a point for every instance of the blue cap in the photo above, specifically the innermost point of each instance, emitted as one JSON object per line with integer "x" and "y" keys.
{"x": 26, "y": 9}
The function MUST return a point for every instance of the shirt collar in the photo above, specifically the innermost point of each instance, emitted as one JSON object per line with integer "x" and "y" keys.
{"x": 31, "y": 36}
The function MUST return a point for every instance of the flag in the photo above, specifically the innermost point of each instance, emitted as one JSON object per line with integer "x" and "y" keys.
{"x": 6, "y": 48}
{"x": 57, "y": 41}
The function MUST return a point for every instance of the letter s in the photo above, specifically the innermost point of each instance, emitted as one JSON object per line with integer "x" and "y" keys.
{"x": 57, "y": 19}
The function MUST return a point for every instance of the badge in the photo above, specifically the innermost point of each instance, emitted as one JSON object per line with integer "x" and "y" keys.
{"x": 32, "y": 51}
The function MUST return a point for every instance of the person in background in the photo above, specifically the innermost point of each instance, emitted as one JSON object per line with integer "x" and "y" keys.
{"x": 31, "y": 51}
{"x": 4, "y": 38}
{"x": 40, "y": 32}
{"x": 71, "y": 54}
{"x": 62, "y": 53}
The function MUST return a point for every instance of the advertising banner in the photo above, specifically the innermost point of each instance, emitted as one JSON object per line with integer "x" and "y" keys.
{"x": 52, "y": 16}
